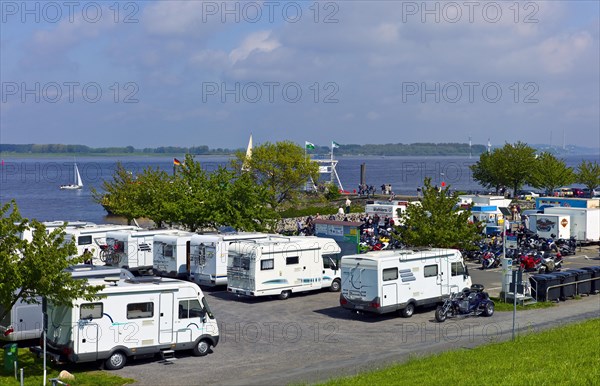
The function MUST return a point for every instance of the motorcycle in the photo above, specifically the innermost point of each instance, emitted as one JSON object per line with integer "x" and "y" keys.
{"x": 471, "y": 301}
{"x": 489, "y": 260}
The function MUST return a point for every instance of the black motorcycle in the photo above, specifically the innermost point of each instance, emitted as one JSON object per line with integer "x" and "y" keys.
{"x": 471, "y": 301}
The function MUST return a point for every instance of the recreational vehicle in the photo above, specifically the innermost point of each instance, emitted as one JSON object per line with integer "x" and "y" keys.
{"x": 400, "y": 280}
{"x": 24, "y": 321}
{"x": 135, "y": 318}
{"x": 280, "y": 266}
{"x": 209, "y": 254}
{"x": 172, "y": 255}
{"x": 131, "y": 249}
{"x": 91, "y": 238}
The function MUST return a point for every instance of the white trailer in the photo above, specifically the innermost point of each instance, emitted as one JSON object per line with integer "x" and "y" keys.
{"x": 281, "y": 266}
{"x": 24, "y": 321}
{"x": 390, "y": 209}
{"x": 135, "y": 318}
{"x": 584, "y": 224}
{"x": 131, "y": 249}
{"x": 91, "y": 238}
{"x": 400, "y": 280}
{"x": 209, "y": 255}
{"x": 172, "y": 255}
{"x": 547, "y": 225}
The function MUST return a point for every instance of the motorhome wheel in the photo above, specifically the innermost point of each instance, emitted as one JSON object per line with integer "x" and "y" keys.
{"x": 408, "y": 311}
{"x": 284, "y": 295}
{"x": 201, "y": 348}
{"x": 335, "y": 286}
{"x": 116, "y": 361}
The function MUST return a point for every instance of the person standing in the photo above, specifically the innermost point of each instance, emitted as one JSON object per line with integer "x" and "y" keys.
{"x": 348, "y": 204}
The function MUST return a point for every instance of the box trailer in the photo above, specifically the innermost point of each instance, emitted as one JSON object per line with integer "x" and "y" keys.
{"x": 400, "y": 280}
{"x": 132, "y": 249}
{"x": 209, "y": 254}
{"x": 546, "y": 225}
{"x": 584, "y": 222}
{"x": 282, "y": 266}
{"x": 172, "y": 255}
{"x": 24, "y": 321}
{"x": 135, "y": 318}
{"x": 391, "y": 209}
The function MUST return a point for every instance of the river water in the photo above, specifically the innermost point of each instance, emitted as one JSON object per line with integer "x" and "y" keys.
{"x": 34, "y": 182}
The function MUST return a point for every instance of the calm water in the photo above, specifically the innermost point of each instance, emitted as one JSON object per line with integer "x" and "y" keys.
{"x": 34, "y": 183}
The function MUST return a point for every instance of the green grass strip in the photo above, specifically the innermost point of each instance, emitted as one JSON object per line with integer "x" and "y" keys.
{"x": 568, "y": 355}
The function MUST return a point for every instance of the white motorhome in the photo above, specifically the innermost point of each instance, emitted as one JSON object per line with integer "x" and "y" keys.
{"x": 135, "y": 318}
{"x": 132, "y": 249}
{"x": 400, "y": 280}
{"x": 172, "y": 255}
{"x": 27, "y": 235}
{"x": 281, "y": 266}
{"x": 209, "y": 255}
{"x": 92, "y": 238}
{"x": 24, "y": 321}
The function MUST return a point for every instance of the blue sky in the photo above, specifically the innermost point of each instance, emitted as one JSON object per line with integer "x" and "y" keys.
{"x": 187, "y": 73}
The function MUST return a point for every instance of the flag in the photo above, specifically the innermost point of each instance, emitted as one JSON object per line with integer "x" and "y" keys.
{"x": 334, "y": 145}
{"x": 309, "y": 145}
{"x": 176, "y": 162}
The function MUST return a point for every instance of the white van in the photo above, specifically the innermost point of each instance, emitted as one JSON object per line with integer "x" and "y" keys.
{"x": 24, "y": 321}
{"x": 400, "y": 280}
{"x": 280, "y": 266}
{"x": 135, "y": 318}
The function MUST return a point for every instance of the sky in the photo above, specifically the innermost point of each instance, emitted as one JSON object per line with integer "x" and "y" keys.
{"x": 191, "y": 73}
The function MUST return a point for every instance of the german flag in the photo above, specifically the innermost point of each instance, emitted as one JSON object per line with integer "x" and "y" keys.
{"x": 176, "y": 162}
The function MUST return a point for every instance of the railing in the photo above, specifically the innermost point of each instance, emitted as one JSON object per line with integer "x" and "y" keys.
{"x": 566, "y": 284}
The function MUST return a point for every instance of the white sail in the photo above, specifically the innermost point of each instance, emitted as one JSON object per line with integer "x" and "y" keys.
{"x": 245, "y": 166}
{"x": 78, "y": 181}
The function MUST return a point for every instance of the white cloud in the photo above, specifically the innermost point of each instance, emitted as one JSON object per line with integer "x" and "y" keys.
{"x": 260, "y": 41}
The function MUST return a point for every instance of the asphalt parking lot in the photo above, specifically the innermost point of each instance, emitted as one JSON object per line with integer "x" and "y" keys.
{"x": 310, "y": 338}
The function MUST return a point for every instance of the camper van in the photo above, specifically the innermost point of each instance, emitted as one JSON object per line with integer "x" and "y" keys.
{"x": 24, "y": 321}
{"x": 135, "y": 318}
{"x": 400, "y": 280}
{"x": 209, "y": 254}
{"x": 132, "y": 249}
{"x": 280, "y": 266}
{"x": 92, "y": 238}
{"x": 172, "y": 255}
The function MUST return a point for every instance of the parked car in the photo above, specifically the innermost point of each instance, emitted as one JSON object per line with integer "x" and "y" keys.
{"x": 562, "y": 192}
{"x": 527, "y": 195}
{"x": 594, "y": 193}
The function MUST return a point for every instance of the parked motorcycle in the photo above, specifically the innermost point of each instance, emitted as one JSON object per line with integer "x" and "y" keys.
{"x": 471, "y": 301}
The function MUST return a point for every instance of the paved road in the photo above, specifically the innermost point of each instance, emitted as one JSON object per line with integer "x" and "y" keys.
{"x": 309, "y": 338}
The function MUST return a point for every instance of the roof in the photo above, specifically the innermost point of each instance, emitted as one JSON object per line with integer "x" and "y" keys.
{"x": 334, "y": 222}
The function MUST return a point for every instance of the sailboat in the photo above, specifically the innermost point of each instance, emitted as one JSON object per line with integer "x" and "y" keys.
{"x": 78, "y": 183}
{"x": 245, "y": 166}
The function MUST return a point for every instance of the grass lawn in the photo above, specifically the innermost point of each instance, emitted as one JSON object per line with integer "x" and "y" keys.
{"x": 34, "y": 373}
{"x": 568, "y": 355}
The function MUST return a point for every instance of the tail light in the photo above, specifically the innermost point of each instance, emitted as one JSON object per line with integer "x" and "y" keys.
{"x": 343, "y": 301}
{"x": 67, "y": 351}
{"x": 375, "y": 304}
{"x": 9, "y": 331}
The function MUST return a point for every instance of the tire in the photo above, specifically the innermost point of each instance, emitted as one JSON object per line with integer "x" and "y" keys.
{"x": 440, "y": 315}
{"x": 335, "y": 286}
{"x": 116, "y": 361}
{"x": 408, "y": 311}
{"x": 284, "y": 295}
{"x": 201, "y": 348}
{"x": 488, "y": 309}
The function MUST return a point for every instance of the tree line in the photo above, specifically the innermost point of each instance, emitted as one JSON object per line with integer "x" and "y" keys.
{"x": 516, "y": 165}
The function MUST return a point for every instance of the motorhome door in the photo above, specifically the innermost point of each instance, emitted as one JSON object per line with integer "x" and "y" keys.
{"x": 165, "y": 320}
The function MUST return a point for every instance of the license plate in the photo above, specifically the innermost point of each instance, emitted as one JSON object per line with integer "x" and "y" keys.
{"x": 359, "y": 307}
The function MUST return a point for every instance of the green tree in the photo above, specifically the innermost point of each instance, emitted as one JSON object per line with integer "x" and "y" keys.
{"x": 510, "y": 166}
{"x": 550, "y": 173}
{"x": 155, "y": 194}
{"x": 588, "y": 174}
{"x": 438, "y": 221}
{"x": 281, "y": 167}
{"x": 32, "y": 269}
{"x": 120, "y": 195}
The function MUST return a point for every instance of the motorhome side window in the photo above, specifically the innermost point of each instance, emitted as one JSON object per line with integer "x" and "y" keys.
{"x": 140, "y": 310}
{"x": 430, "y": 270}
{"x": 190, "y": 309}
{"x": 84, "y": 240}
{"x": 291, "y": 260}
{"x": 90, "y": 311}
{"x": 267, "y": 264}
{"x": 390, "y": 274}
{"x": 458, "y": 269}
